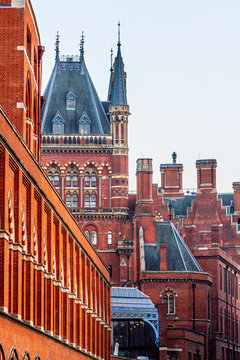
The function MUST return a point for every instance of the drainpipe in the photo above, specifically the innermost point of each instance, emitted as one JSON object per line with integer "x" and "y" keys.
{"x": 194, "y": 305}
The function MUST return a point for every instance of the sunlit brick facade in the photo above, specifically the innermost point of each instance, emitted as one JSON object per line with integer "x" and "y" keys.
{"x": 54, "y": 289}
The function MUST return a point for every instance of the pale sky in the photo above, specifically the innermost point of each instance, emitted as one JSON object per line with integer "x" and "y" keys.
{"x": 182, "y": 59}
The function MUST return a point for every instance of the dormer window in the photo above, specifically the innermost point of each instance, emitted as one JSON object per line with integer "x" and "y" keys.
{"x": 71, "y": 100}
{"x": 58, "y": 123}
{"x": 84, "y": 124}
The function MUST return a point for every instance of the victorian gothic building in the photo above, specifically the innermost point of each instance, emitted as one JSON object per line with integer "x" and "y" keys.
{"x": 69, "y": 226}
{"x": 180, "y": 248}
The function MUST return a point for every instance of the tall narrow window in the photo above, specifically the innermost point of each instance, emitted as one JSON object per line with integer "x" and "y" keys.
{"x": 87, "y": 180}
{"x": 169, "y": 299}
{"x": 94, "y": 237}
{"x": 109, "y": 238}
{"x": 74, "y": 200}
{"x": 93, "y": 200}
{"x": 68, "y": 200}
{"x": 220, "y": 276}
{"x": 68, "y": 179}
{"x": 87, "y": 233}
{"x": 74, "y": 180}
{"x": 29, "y": 45}
{"x": 87, "y": 200}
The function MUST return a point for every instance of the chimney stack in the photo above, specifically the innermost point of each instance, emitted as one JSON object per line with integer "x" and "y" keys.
{"x": 171, "y": 178}
{"x": 206, "y": 175}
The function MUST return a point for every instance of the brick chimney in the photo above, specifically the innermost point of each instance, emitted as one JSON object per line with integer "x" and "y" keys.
{"x": 206, "y": 175}
{"x": 171, "y": 178}
{"x": 144, "y": 181}
{"x": 163, "y": 257}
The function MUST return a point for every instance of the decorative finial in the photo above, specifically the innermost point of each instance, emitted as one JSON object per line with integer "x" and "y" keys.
{"x": 111, "y": 69}
{"x": 57, "y": 45}
{"x": 82, "y": 44}
{"x": 174, "y": 157}
{"x": 119, "y": 43}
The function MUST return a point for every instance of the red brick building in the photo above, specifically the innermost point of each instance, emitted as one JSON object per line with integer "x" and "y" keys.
{"x": 54, "y": 288}
{"x": 85, "y": 154}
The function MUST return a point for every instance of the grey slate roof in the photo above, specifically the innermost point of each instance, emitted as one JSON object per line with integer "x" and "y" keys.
{"x": 73, "y": 76}
{"x": 179, "y": 257}
{"x": 117, "y": 94}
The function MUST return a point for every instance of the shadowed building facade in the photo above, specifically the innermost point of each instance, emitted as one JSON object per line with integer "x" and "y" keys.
{"x": 54, "y": 288}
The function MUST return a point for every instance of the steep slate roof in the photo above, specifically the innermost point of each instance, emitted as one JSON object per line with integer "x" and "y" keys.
{"x": 73, "y": 76}
{"x": 179, "y": 257}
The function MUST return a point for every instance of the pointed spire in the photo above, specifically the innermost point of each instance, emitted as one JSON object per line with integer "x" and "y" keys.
{"x": 57, "y": 46}
{"x": 119, "y": 32}
{"x": 111, "y": 77}
{"x": 82, "y": 45}
{"x": 118, "y": 95}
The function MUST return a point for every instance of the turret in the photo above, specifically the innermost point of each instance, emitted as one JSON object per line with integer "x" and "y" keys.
{"x": 119, "y": 112}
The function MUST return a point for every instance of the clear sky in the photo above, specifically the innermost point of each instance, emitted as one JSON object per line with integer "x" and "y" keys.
{"x": 182, "y": 59}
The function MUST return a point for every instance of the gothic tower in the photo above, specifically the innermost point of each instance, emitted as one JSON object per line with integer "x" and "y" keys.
{"x": 85, "y": 154}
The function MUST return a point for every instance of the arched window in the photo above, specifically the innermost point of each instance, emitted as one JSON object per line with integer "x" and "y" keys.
{"x": 93, "y": 180}
{"x": 87, "y": 180}
{"x": 169, "y": 299}
{"x": 87, "y": 233}
{"x": 54, "y": 176}
{"x": 104, "y": 140}
{"x": 109, "y": 238}
{"x": 68, "y": 180}
{"x": 90, "y": 178}
{"x": 56, "y": 180}
{"x": 74, "y": 180}
{"x": 70, "y": 100}
{"x": 94, "y": 237}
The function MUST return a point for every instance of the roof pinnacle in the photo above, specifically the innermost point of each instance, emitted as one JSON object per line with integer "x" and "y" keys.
{"x": 111, "y": 69}
{"x": 82, "y": 44}
{"x": 119, "y": 28}
{"x": 57, "y": 45}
